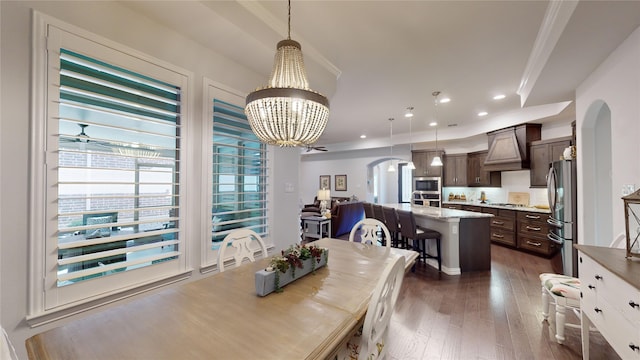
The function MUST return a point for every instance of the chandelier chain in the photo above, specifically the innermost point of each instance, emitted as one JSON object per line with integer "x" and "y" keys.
{"x": 289, "y": 26}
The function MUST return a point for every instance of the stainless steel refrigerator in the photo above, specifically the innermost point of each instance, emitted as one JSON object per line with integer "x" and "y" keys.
{"x": 561, "y": 189}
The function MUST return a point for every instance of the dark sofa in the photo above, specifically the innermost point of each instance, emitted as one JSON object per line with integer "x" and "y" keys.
{"x": 344, "y": 216}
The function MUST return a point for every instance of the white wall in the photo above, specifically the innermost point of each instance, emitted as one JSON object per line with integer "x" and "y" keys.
{"x": 350, "y": 163}
{"x": 615, "y": 85}
{"x": 118, "y": 23}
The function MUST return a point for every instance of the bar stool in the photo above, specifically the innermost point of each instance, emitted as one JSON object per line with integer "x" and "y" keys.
{"x": 391, "y": 221}
{"x": 379, "y": 215}
{"x": 419, "y": 235}
{"x": 368, "y": 210}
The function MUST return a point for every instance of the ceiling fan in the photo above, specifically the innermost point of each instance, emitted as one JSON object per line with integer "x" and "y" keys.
{"x": 318, "y": 148}
{"x": 84, "y": 140}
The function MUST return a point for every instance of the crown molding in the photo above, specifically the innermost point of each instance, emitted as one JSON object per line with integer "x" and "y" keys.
{"x": 555, "y": 20}
{"x": 264, "y": 15}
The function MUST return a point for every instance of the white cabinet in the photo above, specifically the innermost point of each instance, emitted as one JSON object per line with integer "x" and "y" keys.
{"x": 609, "y": 302}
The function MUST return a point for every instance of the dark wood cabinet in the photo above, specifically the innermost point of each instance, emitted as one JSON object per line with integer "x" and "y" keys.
{"x": 455, "y": 170}
{"x": 477, "y": 176}
{"x": 509, "y": 148}
{"x": 452, "y": 206}
{"x": 542, "y": 154}
{"x": 472, "y": 208}
{"x": 422, "y": 161}
{"x": 532, "y": 233}
{"x": 503, "y": 226}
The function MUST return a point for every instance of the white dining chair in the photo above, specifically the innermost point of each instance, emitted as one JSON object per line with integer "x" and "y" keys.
{"x": 369, "y": 342}
{"x": 368, "y": 230}
{"x": 241, "y": 240}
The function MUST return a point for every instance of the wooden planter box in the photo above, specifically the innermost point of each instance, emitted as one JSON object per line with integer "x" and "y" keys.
{"x": 266, "y": 280}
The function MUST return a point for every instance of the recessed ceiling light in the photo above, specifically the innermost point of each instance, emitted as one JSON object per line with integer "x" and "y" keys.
{"x": 444, "y": 100}
{"x": 499, "y": 97}
{"x": 363, "y": 136}
{"x": 483, "y": 113}
{"x": 433, "y": 123}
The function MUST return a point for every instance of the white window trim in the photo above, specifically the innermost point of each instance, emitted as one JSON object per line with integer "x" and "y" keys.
{"x": 36, "y": 312}
{"x": 213, "y": 89}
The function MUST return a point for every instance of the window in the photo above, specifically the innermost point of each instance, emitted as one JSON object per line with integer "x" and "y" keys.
{"x": 112, "y": 171}
{"x": 239, "y": 172}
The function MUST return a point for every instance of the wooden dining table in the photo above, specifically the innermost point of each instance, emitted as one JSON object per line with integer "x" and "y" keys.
{"x": 221, "y": 317}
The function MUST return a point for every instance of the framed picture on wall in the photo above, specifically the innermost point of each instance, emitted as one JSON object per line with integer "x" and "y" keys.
{"x": 341, "y": 182}
{"x": 325, "y": 182}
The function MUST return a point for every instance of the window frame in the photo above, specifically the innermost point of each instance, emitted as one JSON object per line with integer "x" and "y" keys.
{"x": 48, "y": 302}
{"x": 215, "y": 90}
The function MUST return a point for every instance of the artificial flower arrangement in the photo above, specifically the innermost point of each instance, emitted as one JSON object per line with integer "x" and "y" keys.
{"x": 293, "y": 257}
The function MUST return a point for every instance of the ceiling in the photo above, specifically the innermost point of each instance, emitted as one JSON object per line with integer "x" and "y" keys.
{"x": 373, "y": 59}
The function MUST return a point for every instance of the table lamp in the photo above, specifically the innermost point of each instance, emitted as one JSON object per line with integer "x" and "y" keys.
{"x": 324, "y": 195}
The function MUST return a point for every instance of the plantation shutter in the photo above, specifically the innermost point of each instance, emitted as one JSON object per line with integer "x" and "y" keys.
{"x": 239, "y": 174}
{"x": 118, "y": 155}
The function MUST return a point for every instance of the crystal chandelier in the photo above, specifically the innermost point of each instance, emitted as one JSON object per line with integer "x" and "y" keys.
{"x": 286, "y": 112}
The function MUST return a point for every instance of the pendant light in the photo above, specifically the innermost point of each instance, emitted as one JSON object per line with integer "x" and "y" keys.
{"x": 409, "y": 114}
{"x": 391, "y": 167}
{"x": 437, "y": 161}
{"x": 286, "y": 112}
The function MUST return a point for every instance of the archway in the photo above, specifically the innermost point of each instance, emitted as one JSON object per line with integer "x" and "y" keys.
{"x": 382, "y": 185}
{"x": 595, "y": 157}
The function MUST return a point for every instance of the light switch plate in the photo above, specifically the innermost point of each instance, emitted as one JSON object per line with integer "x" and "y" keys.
{"x": 288, "y": 187}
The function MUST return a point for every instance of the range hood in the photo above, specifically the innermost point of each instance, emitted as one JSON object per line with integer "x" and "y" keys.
{"x": 509, "y": 148}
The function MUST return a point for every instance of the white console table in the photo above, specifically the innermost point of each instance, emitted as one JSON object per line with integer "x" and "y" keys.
{"x": 610, "y": 298}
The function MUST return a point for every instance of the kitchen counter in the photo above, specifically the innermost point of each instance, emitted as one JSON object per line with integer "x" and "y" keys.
{"x": 465, "y": 237}
{"x": 438, "y": 213}
{"x": 497, "y": 206}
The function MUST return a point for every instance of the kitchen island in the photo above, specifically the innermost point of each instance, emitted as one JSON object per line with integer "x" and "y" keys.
{"x": 465, "y": 242}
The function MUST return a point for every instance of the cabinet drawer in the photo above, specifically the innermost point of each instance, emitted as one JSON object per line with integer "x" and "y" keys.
{"x": 532, "y": 229}
{"x": 499, "y": 222}
{"x": 622, "y": 297}
{"x": 472, "y": 208}
{"x": 489, "y": 210}
{"x": 503, "y": 236}
{"x": 511, "y": 214}
{"x": 542, "y": 246}
{"x": 452, "y": 206}
{"x": 617, "y": 330}
{"x": 532, "y": 216}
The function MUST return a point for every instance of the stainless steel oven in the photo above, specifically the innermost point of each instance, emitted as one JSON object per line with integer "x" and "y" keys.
{"x": 430, "y": 184}
{"x": 426, "y": 191}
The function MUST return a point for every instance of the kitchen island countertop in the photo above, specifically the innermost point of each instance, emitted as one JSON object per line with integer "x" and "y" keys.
{"x": 438, "y": 213}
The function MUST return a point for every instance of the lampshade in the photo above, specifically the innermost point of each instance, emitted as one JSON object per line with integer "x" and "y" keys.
{"x": 324, "y": 194}
{"x": 286, "y": 112}
{"x": 436, "y": 161}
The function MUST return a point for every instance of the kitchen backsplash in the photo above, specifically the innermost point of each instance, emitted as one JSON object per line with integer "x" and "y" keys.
{"x": 512, "y": 181}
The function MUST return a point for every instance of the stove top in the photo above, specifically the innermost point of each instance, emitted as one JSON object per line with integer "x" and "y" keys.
{"x": 508, "y": 205}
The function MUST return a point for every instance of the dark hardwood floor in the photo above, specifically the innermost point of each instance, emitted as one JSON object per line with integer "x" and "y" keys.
{"x": 483, "y": 315}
